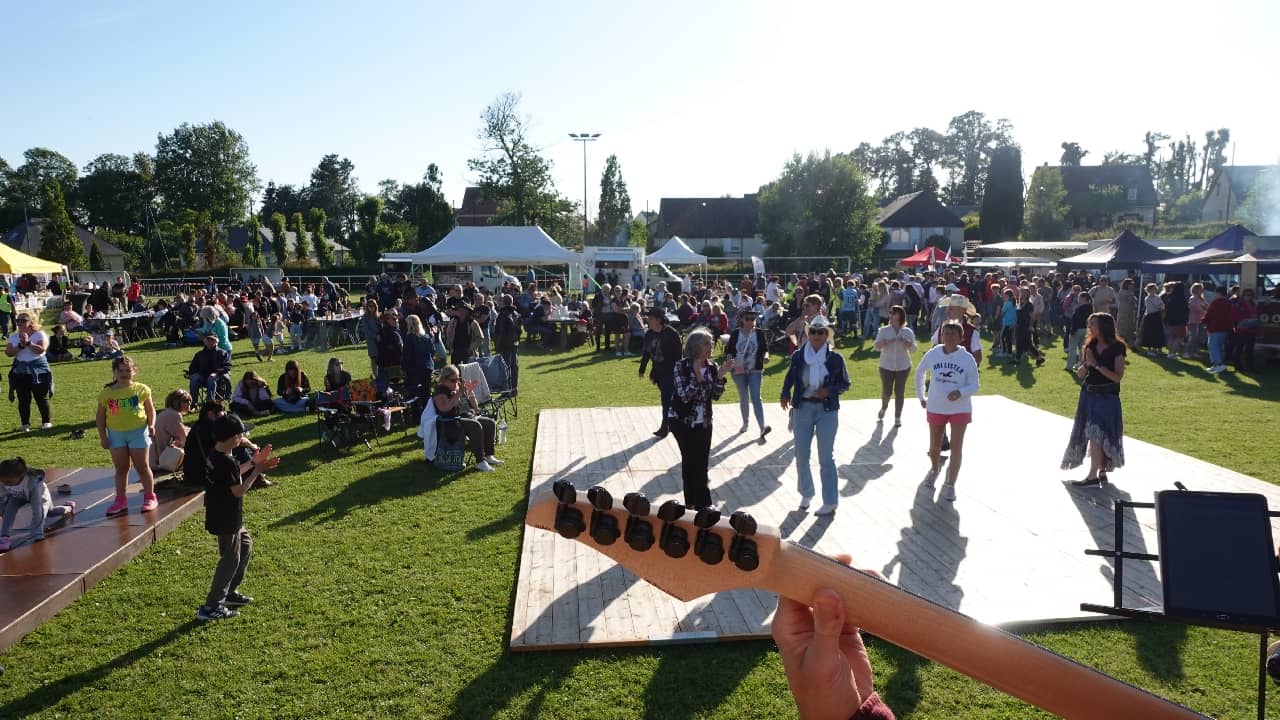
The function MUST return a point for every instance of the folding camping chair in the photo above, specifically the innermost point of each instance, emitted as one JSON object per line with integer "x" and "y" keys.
{"x": 502, "y": 394}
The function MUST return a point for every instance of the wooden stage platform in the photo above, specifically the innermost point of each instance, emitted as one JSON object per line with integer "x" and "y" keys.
{"x": 1008, "y": 551}
{"x": 37, "y": 579}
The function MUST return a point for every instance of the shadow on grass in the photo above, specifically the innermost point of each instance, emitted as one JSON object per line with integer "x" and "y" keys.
{"x": 370, "y": 490}
{"x": 47, "y": 696}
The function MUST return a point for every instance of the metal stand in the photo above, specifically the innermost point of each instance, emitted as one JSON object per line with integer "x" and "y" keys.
{"x": 1119, "y": 555}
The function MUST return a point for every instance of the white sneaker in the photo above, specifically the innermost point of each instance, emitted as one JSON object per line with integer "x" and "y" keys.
{"x": 948, "y": 491}
{"x": 825, "y": 510}
{"x": 1217, "y": 369}
{"x": 46, "y": 426}
{"x": 804, "y": 501}
{"x": 483, "y": 466}
{"x": 491, "y": 460}
{"x": 25, "y": 428}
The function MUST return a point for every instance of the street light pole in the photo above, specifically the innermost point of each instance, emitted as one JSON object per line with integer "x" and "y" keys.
{"x": 584, "y": 138}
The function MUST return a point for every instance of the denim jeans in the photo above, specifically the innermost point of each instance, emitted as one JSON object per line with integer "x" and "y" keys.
{"x": 284, "y": 406}
{"x": 748, "y": 385}
{"x": 1218, "y": 348}
{"x": 209, "y": 382}
{"x": 871, "y": 323}
{"x": 1074, "y": 344}
{"x": 809, "y": 419}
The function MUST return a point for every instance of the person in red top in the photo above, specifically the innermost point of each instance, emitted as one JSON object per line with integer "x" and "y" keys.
{"x": 1244, "y": 321}
{"x": 1218, "y": 323}
{"x": 134, "y": 292}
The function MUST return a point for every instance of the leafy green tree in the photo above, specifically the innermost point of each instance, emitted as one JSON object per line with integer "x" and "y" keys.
{"x": 279, "y": 243}
{"x": 205, "y": 168}
{"x": 116, "y": 192}
{"x": 1185, "y": 209}
{"x": 253, "y": 243}
{"x": 973, "y": 224}
{"x": 58, "y": 241}
{"x": 299, "y": 227}
{"x": 1215, "y": 150}
{"x": 615, "y": 203}
{"x": 335, "y": 190}
{"x": 1001, "y": 214}
{"x": 205, "y": 233}
{"x": 1046, "y": 208}
{"x": 95, "y": 258}
{"x": 970, "y": 140}
{"x": 1097, "y": 207}
{"x": 820, "y": 205}
{"x": 1072, "y": 154}
{"x": 1119, "y": 157}
{"x": 188, "y": 233}
{"x": 638, "y": 233}
{"x": 369, "y": 223}
{"x": 283, "y": 199}
{"x": 513, "y": 173}
{"x": 26, "y": 184}
{"x": 419, "y": 210}
{"x": 324, "y": 253}
{"x": 134, "y": 248}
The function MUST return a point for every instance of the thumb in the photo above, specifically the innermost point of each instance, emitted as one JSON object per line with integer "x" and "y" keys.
{"x": 828, "y": 622}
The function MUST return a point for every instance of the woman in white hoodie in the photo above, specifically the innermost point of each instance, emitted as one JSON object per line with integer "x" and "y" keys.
{"x": 953, "y": 379}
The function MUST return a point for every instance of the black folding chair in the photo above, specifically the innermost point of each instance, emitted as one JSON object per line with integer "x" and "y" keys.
{"x": 501, "y": 390}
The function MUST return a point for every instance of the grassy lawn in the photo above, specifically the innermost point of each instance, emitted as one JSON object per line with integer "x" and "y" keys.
{"x": 384, "y": 589}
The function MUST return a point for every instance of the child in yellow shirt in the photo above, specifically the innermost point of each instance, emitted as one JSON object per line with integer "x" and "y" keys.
{"x": 126, "y": 427}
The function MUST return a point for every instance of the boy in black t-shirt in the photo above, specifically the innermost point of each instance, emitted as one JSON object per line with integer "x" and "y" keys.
{"x": 224, "y": 516}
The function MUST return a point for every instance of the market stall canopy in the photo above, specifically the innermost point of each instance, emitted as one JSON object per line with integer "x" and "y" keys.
{"x": 16, "y": 262}
{"x": 489, "y": 244}
{"x": 1228, "y": 243}
{"x": 676, "y": 252}
{"x": 930, "y": 255}
{"x": 1126, "y": 251}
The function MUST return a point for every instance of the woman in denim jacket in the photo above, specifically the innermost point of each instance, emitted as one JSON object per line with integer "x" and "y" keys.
{"x": 813, "y": 385}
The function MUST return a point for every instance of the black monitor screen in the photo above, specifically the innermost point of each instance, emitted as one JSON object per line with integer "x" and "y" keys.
{"x": 1216, "y": 555}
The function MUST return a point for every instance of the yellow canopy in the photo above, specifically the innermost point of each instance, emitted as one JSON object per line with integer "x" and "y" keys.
{"x": 16, "y": 262}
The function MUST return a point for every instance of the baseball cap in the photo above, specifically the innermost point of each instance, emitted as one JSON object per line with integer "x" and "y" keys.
{"x": 227, "y": 427}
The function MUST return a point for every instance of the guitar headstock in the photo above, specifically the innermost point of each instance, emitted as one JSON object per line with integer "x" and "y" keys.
{"x": 686, "y": 554}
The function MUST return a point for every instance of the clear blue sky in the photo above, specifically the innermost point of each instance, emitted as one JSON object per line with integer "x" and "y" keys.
{"x": 695, "y": 98}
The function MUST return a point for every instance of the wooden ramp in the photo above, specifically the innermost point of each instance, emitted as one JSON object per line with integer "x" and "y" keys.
{"x": 1009, "y": 551}
{"x": 37, "y": 579}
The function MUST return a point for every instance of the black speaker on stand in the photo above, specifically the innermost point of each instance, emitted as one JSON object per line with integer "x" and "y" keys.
{"x": 1218, "y": 566}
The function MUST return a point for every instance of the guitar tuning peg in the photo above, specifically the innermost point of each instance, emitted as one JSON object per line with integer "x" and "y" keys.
{"x": 565, "y": 492}
{"x": 636, "y": 503}
{"x": 742, "y": 523}
{"x": 706, "y": 517}
{"x": 670, "y": 511}
{"x": 600, "y": 498}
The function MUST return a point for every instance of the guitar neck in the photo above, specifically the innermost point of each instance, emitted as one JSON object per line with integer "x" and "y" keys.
{"x": 987, "y": 654}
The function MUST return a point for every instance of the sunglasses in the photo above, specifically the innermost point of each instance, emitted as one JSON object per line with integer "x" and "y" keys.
{"x": 817, "y": 331}
{"x": 22, "y": 319}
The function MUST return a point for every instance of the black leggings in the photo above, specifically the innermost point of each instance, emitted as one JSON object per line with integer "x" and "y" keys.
{"x": 26, "y": 388}
{"x": 482, "y": 434}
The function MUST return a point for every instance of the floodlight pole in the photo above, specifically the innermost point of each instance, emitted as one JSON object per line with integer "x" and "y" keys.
{"x": 584, "y": 138}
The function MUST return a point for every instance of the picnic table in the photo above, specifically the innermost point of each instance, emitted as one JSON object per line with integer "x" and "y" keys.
{"x": 325, "y": 331}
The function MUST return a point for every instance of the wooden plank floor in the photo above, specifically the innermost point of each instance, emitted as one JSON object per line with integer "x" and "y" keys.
{"x": 37, "y": 579}
{"x": 1008, "y": 551}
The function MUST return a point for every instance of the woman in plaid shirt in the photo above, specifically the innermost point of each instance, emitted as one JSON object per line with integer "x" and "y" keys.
{"x": 698, "y": 382}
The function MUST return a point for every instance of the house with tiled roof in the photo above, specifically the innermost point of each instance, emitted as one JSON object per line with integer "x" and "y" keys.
{"x": 725, "y": 226}
{"x": 909, "y": 220}
{"x": 1228, "y": 189}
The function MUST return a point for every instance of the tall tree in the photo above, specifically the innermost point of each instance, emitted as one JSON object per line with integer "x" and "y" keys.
{"x": 820, "y": 205}
{"x": 116, "y": 192}
{"x": 253, "y": 243}
{"x": 58, "y": 241}
{"x": 26, "y": 183}
{"x": 615, "y": 203}
{"x": 512, "y": 171}
{"x": 96, "y": 261}
{"x": 188, "y": 234}
{"x": 206, "y": 168}
{"x": 283, "y": 199}
{"x": 1046, "y": 208}
{"x": 1151, "y": 141}
{"x": 1119, "y": 157}
{"x": 927, "y": 148}
{"x": 1072, "y": 154}
{"x": 971, "y": 138}
{"x": 279, "y": 241}
{"x": 419, "y": 208}
{"x": 324, "y": 254}
{"x": 1215, "y": 150}
{"x": 205, "y": 232}
{"x": 638, "y": 233}
{"x": 335, "y": 190}
{"x": 373, "y": 237}
{"x": 298, "y": 225}
{"x": 1002, "y": 208}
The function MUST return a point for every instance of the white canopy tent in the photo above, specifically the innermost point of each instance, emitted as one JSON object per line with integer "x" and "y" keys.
{"x": 490, "y": 244}
{"x": 676, "y": 252}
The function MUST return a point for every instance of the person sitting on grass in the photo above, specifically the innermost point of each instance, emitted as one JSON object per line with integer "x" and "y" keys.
{"x": 59, "y": 346}
{"x": 21, "y": 485}
{"x": 337, "y": 385}
{"x": 224, "y": 516}
{"x": 251, "y": 397}
{"x": 110, "y": 349}
{"x": 170, "y": 430}
{"x": 293, "y": 389}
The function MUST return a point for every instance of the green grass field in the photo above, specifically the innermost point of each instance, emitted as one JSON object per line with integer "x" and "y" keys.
{"x": 383, "y": 589}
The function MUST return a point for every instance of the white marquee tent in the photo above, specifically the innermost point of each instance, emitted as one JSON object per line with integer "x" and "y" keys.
{"x": 676, "y": 252}
{"x": 488, "y": 244}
